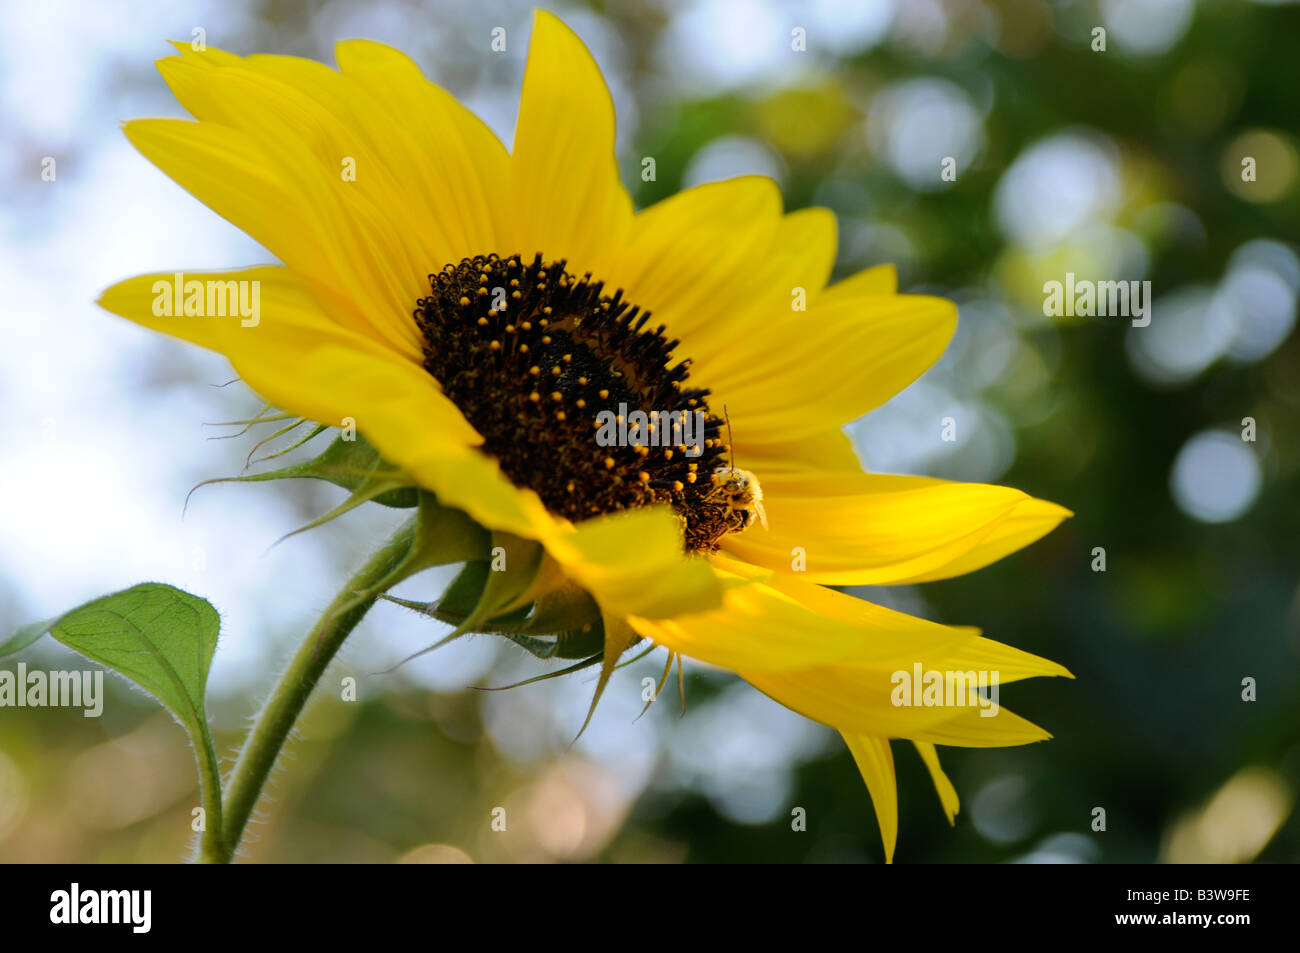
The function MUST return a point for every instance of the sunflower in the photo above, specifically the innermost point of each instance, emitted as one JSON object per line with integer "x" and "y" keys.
{"x": 476, "y": 312}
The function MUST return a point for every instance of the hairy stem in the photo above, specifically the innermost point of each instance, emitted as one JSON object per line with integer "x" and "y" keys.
{"x": 211, "y": 844}
{"x": 287, "y": 699}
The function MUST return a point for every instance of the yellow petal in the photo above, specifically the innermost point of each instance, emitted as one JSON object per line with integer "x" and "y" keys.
{"x": 737, "y": 345}
{"x": 449, "y": 157}
{"x": 847, "y": 358}
{"x": 947, "y": 793}
{"x": 568, "y": 199}
{"x": 880, "y": 280}
{"x": 876, "y": 762}
{"x": 1029, "y": 521}
{"x": 741, "y": 347}
{"x": 300, "y": 116}
{"x": 224, "y": 169}
{"x": 422, "y": 156}
{"x": 463, "y": 478}
{"x": 871, "y": 529}
{"x": 775, "y": 625}
{"x": 769, "y": 629}
{"x": 632, "y": 564}
{"x": 691, "y": 258}
{"x": 299, "y": 358}
{"x": 859, "y": 700}
{"x": 821, "y": 462}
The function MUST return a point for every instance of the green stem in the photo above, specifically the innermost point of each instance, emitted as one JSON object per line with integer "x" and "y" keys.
{"x": 290, "y": 694}
{"x": 211, "y": 845}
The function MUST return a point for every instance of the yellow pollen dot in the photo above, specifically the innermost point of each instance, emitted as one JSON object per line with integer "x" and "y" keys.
{"x": 482, "y": 291}
{"x": 556, "y": 370}
{"x": 495, "y": 345}
{"x": 668, "y": 454}
{"x": 582, "y": 380}
{"x": 464, "y": 301}
{"x": 559, "y": 415}
{"x": 690, "y": 478}
{"x": 556, "y": 395}
{"x": 516, "y": 295}
{"x": 604, "y": 394}
{"x": 482, "y": 322}
{"x": 581, "y": 404}
{"x": 678, "y": 485}
{"x": 568, "y": 358}
{"x": 510, "y": 329}
{"x": 534, "y": 397}
{"x": 534, "y": 370}
{"x": 609, "y": 463}
{"x": 546, "y": 339}
{"x": 643, "y": 477}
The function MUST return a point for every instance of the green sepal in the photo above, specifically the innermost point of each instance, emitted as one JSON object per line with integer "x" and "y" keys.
{"x": 439, "y": 536}
{"x": 312, "y": 434}
{"x": 587, "y": 662}
{"x": 352, "y": 464}
{"x": 560, "y": 623}
{"x": 619, "y": 637}
{"x": 499, "y": 581}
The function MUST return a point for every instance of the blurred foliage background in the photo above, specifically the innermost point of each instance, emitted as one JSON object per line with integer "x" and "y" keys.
{"x": 1122, "y": 163}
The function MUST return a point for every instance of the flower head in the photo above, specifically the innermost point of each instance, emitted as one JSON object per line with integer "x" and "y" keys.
{"x": 483, "y": 314}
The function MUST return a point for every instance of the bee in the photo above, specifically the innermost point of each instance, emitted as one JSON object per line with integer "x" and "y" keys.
{"x": 738, "y": 491}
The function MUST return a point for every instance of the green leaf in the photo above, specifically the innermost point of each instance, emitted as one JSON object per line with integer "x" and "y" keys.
{"x": 158, "y": 636}
{"x": 25, "y": 636}
{"x": 161, "y": 638}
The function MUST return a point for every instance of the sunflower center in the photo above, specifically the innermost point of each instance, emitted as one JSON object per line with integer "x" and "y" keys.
{"x": 575, "y": 397}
